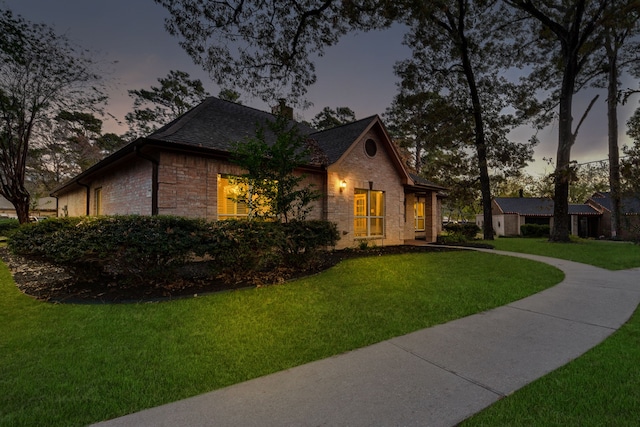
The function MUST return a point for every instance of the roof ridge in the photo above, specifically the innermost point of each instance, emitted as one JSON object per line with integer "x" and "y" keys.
{"x": 369, "y": 119}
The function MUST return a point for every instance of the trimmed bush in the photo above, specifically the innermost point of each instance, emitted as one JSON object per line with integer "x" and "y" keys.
{"x": 303, "y": 239}
{"x": 535, "y": 230}
{"x": 133, "y": 247}
{"x": 143, "y": 249}
{"x": 7, "y": 226}
{"x": 469, "y": 230}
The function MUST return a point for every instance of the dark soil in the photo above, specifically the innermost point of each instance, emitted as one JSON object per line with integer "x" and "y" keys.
{"x": 49, "y": 282}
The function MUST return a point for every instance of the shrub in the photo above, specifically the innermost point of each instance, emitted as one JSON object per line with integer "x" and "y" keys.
{"x": 303, "y": 239}
{"x": 451, "y": 238}
{"x": 240, "y": 247}
{"x": 131, "y": 247}
{"x": 535, "y": 230}
{"x": 8, "y": 225}
{"x": 140, "y": 249}
{"x": 469, "y": 230}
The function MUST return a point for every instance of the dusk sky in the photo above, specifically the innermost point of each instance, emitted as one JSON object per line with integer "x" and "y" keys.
{"x": 357, "y": 73}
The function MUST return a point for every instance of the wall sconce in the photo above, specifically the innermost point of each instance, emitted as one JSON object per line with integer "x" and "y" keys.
{"x": 343, "y": 185}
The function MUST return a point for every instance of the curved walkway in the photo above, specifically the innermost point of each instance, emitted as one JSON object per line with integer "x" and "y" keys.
{"x": 434, "y": 377}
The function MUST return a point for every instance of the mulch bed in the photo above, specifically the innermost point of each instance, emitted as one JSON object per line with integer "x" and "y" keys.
{"x": 53, "y": 283}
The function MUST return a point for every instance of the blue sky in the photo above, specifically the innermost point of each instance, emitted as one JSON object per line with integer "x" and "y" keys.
{"x": 357, "y": 73}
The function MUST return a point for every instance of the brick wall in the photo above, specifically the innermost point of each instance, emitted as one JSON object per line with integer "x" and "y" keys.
{"x": 358, "y": 170}
{"x": 125, "y": 190}
{"x": 188, "y": 185}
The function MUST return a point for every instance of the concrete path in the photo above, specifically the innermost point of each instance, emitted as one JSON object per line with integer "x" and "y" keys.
{"x": 434, "y": 377}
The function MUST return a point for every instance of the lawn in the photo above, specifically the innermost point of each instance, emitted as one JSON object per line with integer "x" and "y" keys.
{"x": 598, "y": 389}
{"x": 601, "y": 253}
{"x": 78, "y": 364}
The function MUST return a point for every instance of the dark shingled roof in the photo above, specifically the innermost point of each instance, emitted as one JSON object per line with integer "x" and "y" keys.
{"x": 422, "y": 181}
{"x": 335, "y": 141}
{"x": 538, "y": 206}
{"x": 216, "y": 124}
{"x": 576, "y": 209}
{"x": 541, "y": 206}
{"x": 629, "y": 205}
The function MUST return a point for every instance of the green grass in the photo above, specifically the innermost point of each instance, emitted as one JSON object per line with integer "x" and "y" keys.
{"x": 598, "y": 389}
{"x": 601, "y": 388}
{"x": 600, "y": 253}
{"x": 77, "y": 364}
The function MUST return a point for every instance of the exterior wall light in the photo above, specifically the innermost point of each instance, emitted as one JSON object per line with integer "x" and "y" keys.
{"x": 343, "y": 185}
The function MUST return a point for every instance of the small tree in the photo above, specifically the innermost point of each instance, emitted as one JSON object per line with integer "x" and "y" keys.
{"x": 269, "y": 185}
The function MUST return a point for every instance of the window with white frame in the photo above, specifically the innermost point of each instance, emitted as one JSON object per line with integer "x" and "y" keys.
{"x": 368, "y": 213}
{"x": 230, "y": 193}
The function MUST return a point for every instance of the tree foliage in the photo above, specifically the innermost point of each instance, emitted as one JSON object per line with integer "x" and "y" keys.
{"x": 67, "y": 144}
{"x": 41, "y": 74}
{"x": 571, "y": 34}
{"x": 329, "y": 118}
{"x": 157, "y": 106}
{"x": 267, "y": 47}
{"x": 271, "y": 188}
{"x": 630, "y": 166}
{"x": 453, "y": 81}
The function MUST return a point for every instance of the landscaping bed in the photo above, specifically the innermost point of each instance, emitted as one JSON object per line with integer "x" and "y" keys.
{"x": 48, "y": 282}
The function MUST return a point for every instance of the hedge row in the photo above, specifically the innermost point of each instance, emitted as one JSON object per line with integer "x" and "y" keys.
{"x": 143, "y": 248}
{"x": 535, "y": 230}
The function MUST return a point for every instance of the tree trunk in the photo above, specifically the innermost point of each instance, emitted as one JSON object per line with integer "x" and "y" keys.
{"x": 614, "y": 155}
{"x": 480, "y": 141}
{"x": 21, "y": 204}
{"x": 561, "y": 228}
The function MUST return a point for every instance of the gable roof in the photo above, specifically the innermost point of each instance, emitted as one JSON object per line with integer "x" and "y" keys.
{"x": 217, "y": 124}
{"x": 538, "y": 206}
{"x": 629, "y": 205}
{"x": 336, "y": 141}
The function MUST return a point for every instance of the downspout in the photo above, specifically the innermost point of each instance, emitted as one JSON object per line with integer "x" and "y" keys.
{"x": 325, "y": 196}
{"x": 88, "y": 187}
{"x": 154, "y": 179}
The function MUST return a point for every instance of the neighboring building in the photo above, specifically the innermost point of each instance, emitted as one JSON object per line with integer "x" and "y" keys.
{"x": 629, "y": 210}
{"x": 509, "y": 213}
{"x": 44, "y": 207}
{"x": 184, "y": 169}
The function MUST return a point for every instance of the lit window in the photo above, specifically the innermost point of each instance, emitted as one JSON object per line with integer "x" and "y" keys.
{"x": 98, "y": 201}
{"x": 368, "y": 212}
{"x": 418, "y": 209}
{"x": 230, "y": 193}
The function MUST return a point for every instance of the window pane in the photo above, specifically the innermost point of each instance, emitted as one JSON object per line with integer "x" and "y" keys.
{"x": 377, "y": 227}
{"x": 377, "y": 203}
{"x": 360, "y": 226}
{"x": 360, "y": 203}
{"x": 419, "y": 215}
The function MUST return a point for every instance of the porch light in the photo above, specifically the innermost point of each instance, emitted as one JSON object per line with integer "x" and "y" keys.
{"x": 343, "y": 185}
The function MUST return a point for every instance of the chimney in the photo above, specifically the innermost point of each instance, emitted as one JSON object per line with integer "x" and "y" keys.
{"x": 282, "y": 109}
{"x": 521, "y": 192}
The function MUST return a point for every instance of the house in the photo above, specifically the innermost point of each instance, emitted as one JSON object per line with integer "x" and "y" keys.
{"x": 43, "y": 207}
{"x": 629, "y": 210}
{"x": 184, "y": 169}
{"x": 509, "y": 213}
